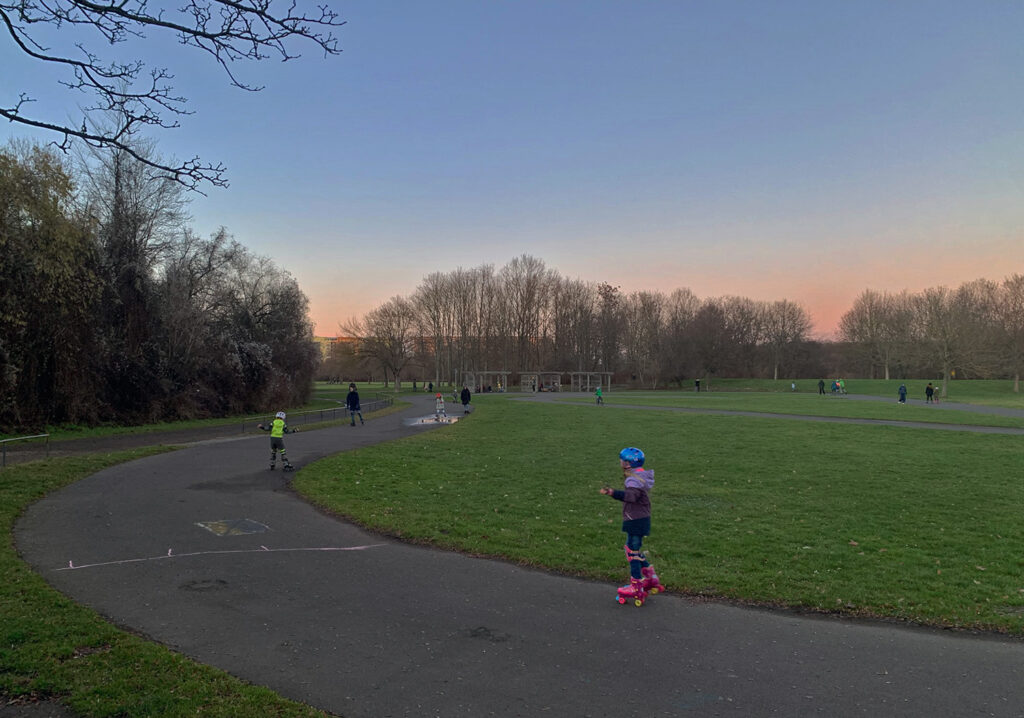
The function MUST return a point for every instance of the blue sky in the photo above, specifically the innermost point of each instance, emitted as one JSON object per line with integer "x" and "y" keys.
{"x": 797, "y": 150}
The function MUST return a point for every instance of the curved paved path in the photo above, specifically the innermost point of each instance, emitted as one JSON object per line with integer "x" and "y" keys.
{"x": 358, "y": 625}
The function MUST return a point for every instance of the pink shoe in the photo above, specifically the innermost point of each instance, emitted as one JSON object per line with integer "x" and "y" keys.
{"x": 633, "y": 592}
{"x": 651, "y": 582}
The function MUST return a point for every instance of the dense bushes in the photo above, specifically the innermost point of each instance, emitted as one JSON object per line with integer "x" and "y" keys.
{"x": 111, "y": 310}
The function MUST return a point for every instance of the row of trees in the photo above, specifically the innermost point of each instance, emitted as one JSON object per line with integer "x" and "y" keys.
{"x": 112, "y": 310}
{"x": 526, "y": 317}
{"x": 976, "y": 330}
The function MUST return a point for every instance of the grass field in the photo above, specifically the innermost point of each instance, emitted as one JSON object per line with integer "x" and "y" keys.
{"x": 884, "y": 521}
{"x": 790, "y": 403}
{"x": 325, "y": 396}
{"x": 51, "y": 647}
{"x": 987, "y": 392}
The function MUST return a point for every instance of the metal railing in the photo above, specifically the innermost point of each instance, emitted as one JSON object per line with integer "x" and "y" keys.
{"x": 4, "y": 442}
{"x": 316, "y": 416}
{"x": 300, "y": 418}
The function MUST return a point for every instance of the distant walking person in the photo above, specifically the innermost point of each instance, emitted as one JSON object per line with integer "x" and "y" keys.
{"x": 353, "y": 405}
{"x": 439, "y": 410}
{"x": 929, "y": 393}
{"x": 465, "y": 397}
{"x": 600, "y": 398}
{"x": 903, "y": 393}
{"x": 821, "y": 386}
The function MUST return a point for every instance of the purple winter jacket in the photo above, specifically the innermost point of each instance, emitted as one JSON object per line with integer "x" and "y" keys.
{"x": 636, "y": 502}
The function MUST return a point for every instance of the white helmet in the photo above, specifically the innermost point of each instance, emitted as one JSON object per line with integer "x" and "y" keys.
{"x": 280, "y": 415}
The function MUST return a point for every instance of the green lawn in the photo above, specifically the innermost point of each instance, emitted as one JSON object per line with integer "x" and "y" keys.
{"x": 908, "y": 523}
{"x": 802, "y": 404}
{"x": 992, "y": 392}
{"x": 50, "y": 647}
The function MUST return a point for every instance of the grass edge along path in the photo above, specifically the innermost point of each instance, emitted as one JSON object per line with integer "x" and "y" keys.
{"x": 325, "y": 397}
{"x": 897, "y": 523}
{"x": 52, "y": 648}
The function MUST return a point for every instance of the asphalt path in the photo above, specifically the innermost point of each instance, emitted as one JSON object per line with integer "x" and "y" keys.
{"x": 361, "y": 625}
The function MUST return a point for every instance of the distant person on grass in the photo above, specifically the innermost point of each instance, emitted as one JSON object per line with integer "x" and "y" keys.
{"x": 465, "y": 397}
{"x": 903, "y": 393}
{"x": 277, "y": 431}
{"x": 597, "y": 394}
{"x": 353, "y": 405}
{"x": 929, "y": 393}
{"x": 636, "y": 523}
{"x": 821, "y": 386}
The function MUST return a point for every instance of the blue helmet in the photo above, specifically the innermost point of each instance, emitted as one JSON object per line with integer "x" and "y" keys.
{"x": 632, "y": 456}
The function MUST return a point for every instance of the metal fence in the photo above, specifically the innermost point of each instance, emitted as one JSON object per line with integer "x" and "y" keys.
{"x": 295, "y": 418}
{"x": 316, "y": 416}
{"x": 4, "y": 442}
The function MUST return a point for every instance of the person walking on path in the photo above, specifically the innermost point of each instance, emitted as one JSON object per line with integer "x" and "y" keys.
{"x": 277, "y": 431}
{"x": 929, "y": 393}
{"x": 903, "y": 393}
{"x": 353, "y": 405}
{"x": 465, "y": 397}
{"x": 636, "y": 523}
{"x": 439, "y": 410}
{"x": 600, "y": 398}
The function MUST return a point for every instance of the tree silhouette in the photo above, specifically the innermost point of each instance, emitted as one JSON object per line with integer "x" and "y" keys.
{"x": 230, "y": 31}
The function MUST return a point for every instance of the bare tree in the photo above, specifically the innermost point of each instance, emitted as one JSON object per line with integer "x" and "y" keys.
{"x": 487, "y": 313}
{"x": 229, "y": 31}
{"x": 1010, "y": 315}
{"x": 136, "y": 216}
{"x": 786, "y": 325}
{"x": 432, "y": 301}
{"x": 644, "y": 314}
{"x": 954, "y": 329}
{"x": 711, "y": 339}
{"x": 677, "y": 349}
{"x": 189, "y": 297}
{"x": 573, "y": 322}
{"x": 526, "y": 282}
{"x": 388, "y": 334}
{"x": 877, "y": 325}
{"x": 609, "y": 325}
{"x": 464, "y": 287}
{"x": 745, "y": 331}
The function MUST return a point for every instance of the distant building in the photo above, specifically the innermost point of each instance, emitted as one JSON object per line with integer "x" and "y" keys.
{"x": 325, "y": 344}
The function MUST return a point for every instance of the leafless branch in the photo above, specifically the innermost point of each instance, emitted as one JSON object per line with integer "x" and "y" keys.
{"x": 230, "y": 31}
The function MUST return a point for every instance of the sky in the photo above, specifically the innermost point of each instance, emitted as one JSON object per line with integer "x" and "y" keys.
{"x": 805, "y": 151}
